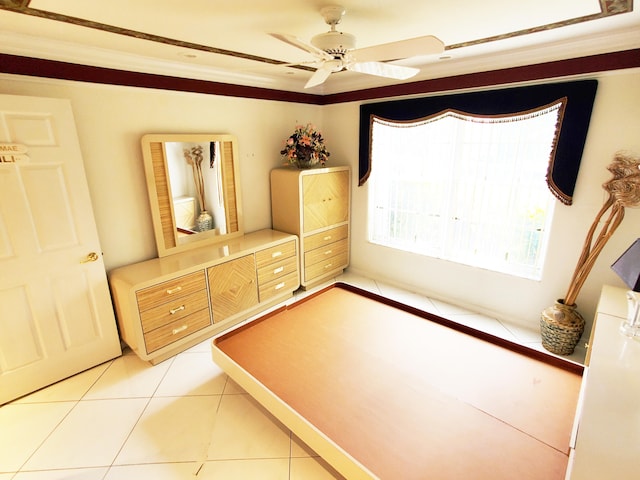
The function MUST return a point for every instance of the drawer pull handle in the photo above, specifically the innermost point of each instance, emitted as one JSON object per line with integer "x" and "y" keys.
{"x": 279, "y": 286}
{"x": 328, "y": 237}
{"x": 328, "y": 252}
{"x": 276, "y": 254}
{"x": 278, "y": 270}
{"x": 175, "y": 331}
{"x": 173, "y": 311}
{"x": 174, "y": 290}
{"x": 328, "y": 265}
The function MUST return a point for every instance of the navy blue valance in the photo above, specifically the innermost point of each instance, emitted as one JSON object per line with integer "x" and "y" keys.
{"x": 563, "y": 172}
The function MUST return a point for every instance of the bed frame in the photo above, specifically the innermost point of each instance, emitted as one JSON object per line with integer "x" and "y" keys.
{"x": 383, "y": 390}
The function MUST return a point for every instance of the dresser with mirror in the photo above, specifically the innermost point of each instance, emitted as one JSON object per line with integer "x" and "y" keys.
{"x": 209, "y": 275}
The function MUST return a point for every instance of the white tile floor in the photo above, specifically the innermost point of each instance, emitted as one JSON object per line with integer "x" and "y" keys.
{"x": 181, "y": 419}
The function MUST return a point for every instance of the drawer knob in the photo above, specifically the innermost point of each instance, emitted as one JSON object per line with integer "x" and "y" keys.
{"x": 328, "y": 237}
{"x": 175, "y": 331}
{"x": 174, "y": 290}
{"x": 173, "y": 311}
{"x": 276, "y": 254}
{"x": 278, "y": 270}
{"x": 328, "y": 265}
{"x": 328, "y": 252}
{"x": 279, "y": 286}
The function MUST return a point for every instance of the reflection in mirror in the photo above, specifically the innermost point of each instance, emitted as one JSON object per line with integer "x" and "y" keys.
{"x": 193, "y": 190}
{"x": 196, "y": 178}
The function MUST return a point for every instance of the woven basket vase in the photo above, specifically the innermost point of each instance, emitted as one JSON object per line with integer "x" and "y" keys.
{"x": 561, "y": 327}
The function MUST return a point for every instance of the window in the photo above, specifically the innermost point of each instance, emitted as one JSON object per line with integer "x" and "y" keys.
{"x": 465, "y": 188}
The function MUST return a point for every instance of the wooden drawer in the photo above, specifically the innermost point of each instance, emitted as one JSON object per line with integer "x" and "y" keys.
{"x": 325, "y": 252}
{"x": 285, "y": 284}
{"x": 166, "y": 291}
{"x": 324, "y": 238}
{"x": 328, "y": 265}
{"x": 275, "y": 254}
{"x": 173, "y": 310}
{"x": 180, "y": 328}
{"x": 277, "y": 270}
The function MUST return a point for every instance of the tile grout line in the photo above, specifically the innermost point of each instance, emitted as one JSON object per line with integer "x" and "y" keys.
{"x": 44, "y": 440}
{"x": 111, "y": 465}
{"x": 205, "y": 450}
{"x": 75, "y": 404}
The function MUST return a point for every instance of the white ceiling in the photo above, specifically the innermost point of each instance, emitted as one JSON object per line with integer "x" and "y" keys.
{"x": 210, "y": 39}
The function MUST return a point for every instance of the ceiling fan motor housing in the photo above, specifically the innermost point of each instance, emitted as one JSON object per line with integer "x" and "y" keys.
{"x": 334, "y": 43}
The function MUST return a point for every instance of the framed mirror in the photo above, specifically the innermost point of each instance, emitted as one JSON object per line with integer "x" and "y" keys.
{"x": 194, "y": 189}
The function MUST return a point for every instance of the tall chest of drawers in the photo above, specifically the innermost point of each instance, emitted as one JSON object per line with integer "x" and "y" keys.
{"x": 168, "y": 304}
{"x": 315, "y": 205}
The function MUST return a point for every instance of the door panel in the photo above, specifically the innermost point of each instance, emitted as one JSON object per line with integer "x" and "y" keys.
{"x": 56, "y": 316}
{"x": 76, "y": 310}
{"x": 49, "y": 206}
{"x": 20, "y": 343}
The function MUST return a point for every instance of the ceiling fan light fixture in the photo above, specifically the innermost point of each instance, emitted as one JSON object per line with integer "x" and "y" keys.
{"x": 334, "y": 42}
{"x": 337, "y": 51}
{"x": 332, "y": 14}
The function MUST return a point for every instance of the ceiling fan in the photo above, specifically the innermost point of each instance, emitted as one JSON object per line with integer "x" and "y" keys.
{"x": 336, "y": 51}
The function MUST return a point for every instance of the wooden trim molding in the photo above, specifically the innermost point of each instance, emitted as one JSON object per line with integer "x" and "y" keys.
{"x": 37, "y": 67}
{"x": 548, "y": 70}
{"x": 607, "y": 8}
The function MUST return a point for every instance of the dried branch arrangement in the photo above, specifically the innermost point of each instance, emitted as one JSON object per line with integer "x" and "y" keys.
{"x": 194, "y": 157}
{"x": 624, "y": 192}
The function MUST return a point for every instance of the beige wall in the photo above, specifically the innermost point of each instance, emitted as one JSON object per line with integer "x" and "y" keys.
{"x": 111, "y": 120}
{"x": 615, "y": 125}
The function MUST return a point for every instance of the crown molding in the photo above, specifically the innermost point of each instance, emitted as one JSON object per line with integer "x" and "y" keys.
{"x": 38, "y": 67}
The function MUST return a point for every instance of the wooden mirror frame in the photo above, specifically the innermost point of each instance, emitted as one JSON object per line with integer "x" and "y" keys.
{"x": 161, "y": 201}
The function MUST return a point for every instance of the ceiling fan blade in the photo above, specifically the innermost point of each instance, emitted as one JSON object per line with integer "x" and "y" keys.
{"x": 320, "y": 75}
{"x": 293, "y": 41}
{"x": 413, "y": 47}
{"x": 387, "y": 70}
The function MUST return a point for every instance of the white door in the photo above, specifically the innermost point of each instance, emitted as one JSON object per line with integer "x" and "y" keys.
{"x": 56, "y": 316}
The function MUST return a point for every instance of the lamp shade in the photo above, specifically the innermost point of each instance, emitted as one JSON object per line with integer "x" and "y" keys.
{"x": 628, "y": 266}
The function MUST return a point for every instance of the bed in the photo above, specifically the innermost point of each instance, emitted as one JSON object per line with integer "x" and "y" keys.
{"x": 383, "y": 390}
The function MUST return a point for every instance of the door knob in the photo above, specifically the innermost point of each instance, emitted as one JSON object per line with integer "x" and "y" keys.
{"x": 92, "y": 257}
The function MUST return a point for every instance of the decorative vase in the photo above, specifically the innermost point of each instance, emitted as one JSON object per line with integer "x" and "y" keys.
{"x": 561, "y": 327}
{"x": 304, "y": 165}
{"x": 204, "y": 222}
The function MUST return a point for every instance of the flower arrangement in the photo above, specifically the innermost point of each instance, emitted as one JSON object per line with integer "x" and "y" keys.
{"x": 305, "y": 147}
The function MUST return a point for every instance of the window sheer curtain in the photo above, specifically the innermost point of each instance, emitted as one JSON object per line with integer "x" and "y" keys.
{"x": 564, "y": 163}
{"x": 466, "y": 188}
